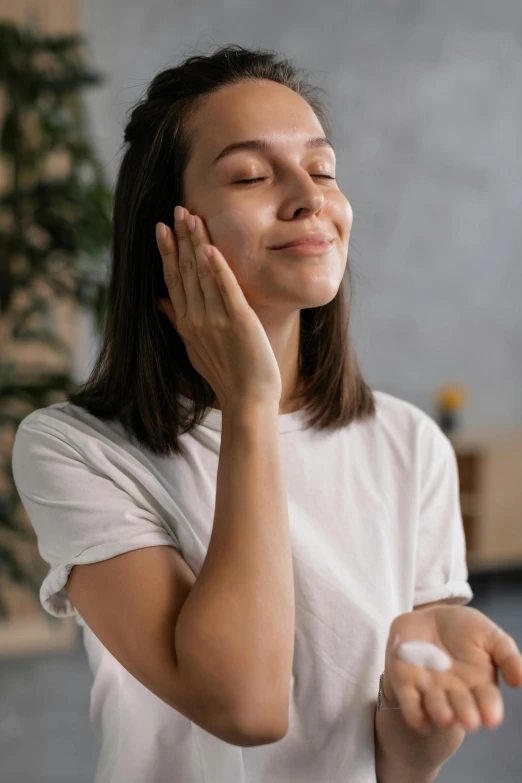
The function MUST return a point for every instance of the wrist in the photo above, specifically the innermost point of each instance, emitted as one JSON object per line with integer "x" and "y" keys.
{"x": 247, "y": 407}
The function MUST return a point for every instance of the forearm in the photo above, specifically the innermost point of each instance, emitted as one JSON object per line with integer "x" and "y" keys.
{"x": 239, "y": 618}
{"x": 404, "y": 756}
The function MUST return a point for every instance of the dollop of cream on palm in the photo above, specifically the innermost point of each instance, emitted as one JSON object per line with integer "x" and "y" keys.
{"x": 424, "y": 654}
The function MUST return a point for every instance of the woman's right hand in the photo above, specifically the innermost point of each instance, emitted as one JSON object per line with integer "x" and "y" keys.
{"x": 225, "y": 340}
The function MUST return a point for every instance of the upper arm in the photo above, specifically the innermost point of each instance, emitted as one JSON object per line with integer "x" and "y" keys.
{"x": 131, "y": 602}
{"x": 440, "y": 544}
{"x": 123, "y": 572}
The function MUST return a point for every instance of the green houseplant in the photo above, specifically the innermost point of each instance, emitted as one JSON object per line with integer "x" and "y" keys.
{"x": 54, "y": 227}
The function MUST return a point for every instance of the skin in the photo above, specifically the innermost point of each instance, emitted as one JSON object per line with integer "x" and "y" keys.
{"x": 245, "y": 220}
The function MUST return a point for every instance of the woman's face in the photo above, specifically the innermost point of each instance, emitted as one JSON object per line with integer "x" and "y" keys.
{"x": 294, "y": 194}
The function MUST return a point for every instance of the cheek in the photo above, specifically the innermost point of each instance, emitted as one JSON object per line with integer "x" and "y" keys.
{"x": 349, "y": 213}
{"x": 342, "y": 212}
{"x": 229, "y": 232}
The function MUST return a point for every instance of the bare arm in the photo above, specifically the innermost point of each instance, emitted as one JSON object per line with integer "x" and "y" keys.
{"x": 237, "y": 624}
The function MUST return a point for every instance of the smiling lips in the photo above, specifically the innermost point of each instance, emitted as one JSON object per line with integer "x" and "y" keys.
{"x": 316, "y": 239}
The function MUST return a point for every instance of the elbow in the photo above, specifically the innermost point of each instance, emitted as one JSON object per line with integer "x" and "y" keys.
{"x": 253, "y": 731}
{"x": 251, "y": 738}
{"x": 261, "y": 711}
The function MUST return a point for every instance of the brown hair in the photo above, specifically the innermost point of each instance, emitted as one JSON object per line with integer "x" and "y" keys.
{"x": 143, "y": 364}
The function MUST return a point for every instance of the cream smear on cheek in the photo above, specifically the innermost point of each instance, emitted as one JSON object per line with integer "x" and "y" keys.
{"x": 230, "y": 224}
{"x": 423, "y": 654}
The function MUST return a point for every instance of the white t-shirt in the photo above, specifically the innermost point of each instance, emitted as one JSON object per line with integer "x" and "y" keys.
{"x": 376, "y": 529}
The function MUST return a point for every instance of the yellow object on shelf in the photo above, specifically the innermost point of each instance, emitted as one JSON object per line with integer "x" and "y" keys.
{"x": 452, "y": 397}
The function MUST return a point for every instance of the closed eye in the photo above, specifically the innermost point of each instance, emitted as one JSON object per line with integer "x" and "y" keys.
{"x": 260, "y": 179}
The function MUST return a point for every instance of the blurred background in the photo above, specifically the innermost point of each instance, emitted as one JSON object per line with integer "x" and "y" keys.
{"x": 427, "y": 118}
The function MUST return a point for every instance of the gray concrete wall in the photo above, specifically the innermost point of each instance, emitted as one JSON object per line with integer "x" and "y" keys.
{"x": 427, "y": 114}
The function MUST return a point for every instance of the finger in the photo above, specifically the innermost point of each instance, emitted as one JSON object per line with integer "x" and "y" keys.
{"x": 413, "y": 710}
{"x": 234, "y": 300}
{"x": 490, "y": 703}
{"x": 168, "y": 251}
{"x": 213, "y": 298}
{"x": 506, "y": 655}
{"x": 463, "y": 702}
{"x": 438, "y": 707}
{"x": 188, "y": 268}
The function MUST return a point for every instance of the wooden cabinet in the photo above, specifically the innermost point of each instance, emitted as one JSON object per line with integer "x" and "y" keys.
{"x": 490, "y": 474}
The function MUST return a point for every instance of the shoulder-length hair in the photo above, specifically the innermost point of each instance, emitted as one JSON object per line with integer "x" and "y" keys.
{"x": 143, "y": 364}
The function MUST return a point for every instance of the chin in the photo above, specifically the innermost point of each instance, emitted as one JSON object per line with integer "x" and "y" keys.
{"x": 322, "y": 292}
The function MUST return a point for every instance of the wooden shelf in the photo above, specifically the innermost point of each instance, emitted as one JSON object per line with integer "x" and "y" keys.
{"x": 490, "y": 477}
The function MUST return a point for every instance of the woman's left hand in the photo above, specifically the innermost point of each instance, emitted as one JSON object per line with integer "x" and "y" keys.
{"x": 468, "y": 692}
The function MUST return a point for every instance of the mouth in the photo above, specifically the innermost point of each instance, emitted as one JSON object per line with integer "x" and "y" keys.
{"x": 306, "y": 248}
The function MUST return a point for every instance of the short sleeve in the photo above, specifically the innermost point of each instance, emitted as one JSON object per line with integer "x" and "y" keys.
{"x": 440, "y": 569}
{"x": 81, "y": 512}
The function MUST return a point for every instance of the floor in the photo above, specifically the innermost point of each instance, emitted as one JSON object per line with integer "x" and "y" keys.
{"x": 45, "y": 735}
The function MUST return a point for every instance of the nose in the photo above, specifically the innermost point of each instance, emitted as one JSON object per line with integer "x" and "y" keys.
{"x": 302, "y": 194}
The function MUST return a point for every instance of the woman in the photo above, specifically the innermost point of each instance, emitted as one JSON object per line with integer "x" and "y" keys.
{"x": 235, "y": 519}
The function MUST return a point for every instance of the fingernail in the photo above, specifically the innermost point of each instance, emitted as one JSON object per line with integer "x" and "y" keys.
{"x": 191, "y": 223}
{"x": 161, "y": 231}
{"x": 178, "y": 214}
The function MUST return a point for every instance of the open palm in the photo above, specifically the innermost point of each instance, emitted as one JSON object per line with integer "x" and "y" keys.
{"x": 468, "y": 691}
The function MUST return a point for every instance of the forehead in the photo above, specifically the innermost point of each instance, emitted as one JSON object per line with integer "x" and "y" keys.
{"x": 254, "y": 109}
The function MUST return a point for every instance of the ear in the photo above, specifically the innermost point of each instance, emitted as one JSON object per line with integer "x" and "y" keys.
{"x": 165, "y": 305}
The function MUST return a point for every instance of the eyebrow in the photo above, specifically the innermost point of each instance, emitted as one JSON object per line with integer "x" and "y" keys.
{"x": 265, "y": 146}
